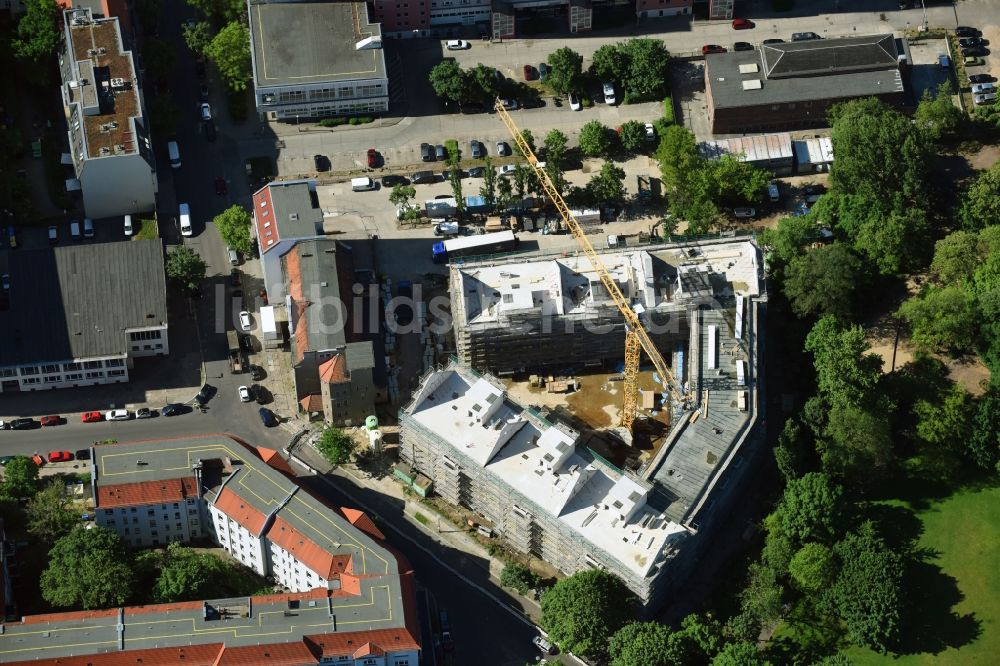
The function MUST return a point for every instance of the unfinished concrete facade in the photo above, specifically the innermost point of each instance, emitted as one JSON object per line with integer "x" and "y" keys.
{"x": 551, "y": 497}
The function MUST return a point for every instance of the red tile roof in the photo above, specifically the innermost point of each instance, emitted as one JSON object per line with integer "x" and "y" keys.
{"x": 262, "y": 213}
{"x": 274, "y": 459}
{"x": 274, "y": 654}
{"x": 191, "y": 655}
{"x": 307, "y": 551}
{"x": 368, "y": 650}
{"x": 237, "y": 509}
{"x": 299, "y": 303}
{"x": 345, "y": 644}
{"x": 361, "y": 520}
{"x": 334, "y": 371}
{"x": 312, "y": 403}
{"x": 146, "y": 492}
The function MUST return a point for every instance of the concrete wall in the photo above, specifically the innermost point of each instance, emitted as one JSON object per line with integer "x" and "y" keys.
{"x": 788, "y": 116}
{"x": 117, "y": 185}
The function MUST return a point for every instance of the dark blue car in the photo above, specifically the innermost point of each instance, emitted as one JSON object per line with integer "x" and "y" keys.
{"x": 267, "y": 417}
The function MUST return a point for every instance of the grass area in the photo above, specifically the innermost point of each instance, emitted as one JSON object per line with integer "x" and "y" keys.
{"x": 956, "y": 585}
{"x": 421, "y": 518}
{"x": 147, "y": 230}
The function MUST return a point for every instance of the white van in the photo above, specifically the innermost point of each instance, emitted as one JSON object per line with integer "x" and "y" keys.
{"x": 74, "y": 230}
{"x": 742, "y": 401}
{"x": 185, "y": 215}
{"x": 364, "y": 184}
{"x": 234, "y": 258}
{"x": 128, "y": 226}
{"x": 88, "y": 228}
{"x": 773, "y": 193}
{"x": 175, "y": 154}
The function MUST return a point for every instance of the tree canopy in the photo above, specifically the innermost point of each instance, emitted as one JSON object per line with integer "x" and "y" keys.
{"x": 449, "y": 82}
{"x": 609, "y": 63}
{"x": 633, "y": 136}
{"x": 608, "y": 184}
{"x": 595, "y": 139}
{"x": 186, "y": 574}
{"x": 646, "y": 75}
{"x": 937, "y": 114}
{"x": 197, "y": 36}
{"x": 20, "y": 478}
{"x": 823, "y": 281}
{"x": 980, "y": 205}
{"x": 185, "y": 269}
{"x": 582, "y": 611}
{"x": 336, "y": 445}
{"x": 230, "y": 51}
{"x": 37, "y": 31}
{"x": 234, "y": 227}
{"x": 50, "y": 512}
{"x": 813, "y": 567}
{"x": 648, "y": 644}
{"x": 88, "y": 568}
{"x": 942, "y": 318}
{"x": 565, "y": 67}
{"x": 810, "y": 509}
{"x": 519, "y": 577}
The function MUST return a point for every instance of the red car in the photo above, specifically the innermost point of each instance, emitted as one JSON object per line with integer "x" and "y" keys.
{"x": 372, "y": 158}
{"x": 51, "y": 420}
{"x": 220, "y": 186}
{"x": 742, "y": 24}
{"x": 60, "y": 456}
{"x": 91, "y": 417}
{"x": 712, "y": 48}
{"x": 37, "y": 459}
{"x": 529, "y": 73}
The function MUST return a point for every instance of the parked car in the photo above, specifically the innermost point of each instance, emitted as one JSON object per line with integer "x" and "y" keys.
{"x": 23, "y": 424}
{"x": 267, "y": 417}
{"x": 12, "y": 237}
{"x": 531, "y": 102}
{"x": 609, "y": 93}
{"x": 421, "y": 177}
{"x": 982, "y": 88}
{"x": 53, "y": 235}
{"x": 174, "y": 409}
{"x": 129, "y": 229}
{"x": 970, "y": 41}
{"x": 975, "y": 51}
{"x": 205, "y": 394}
{"x": 393, "y": 180}
{"x": 477, "y": 149}
{"x": 509, "y": 104}
{"x": 220, "y": 186}
{"x": 91, "y": 417}
{"x": 206, "y": 111}
{"x": 804, "y": 36}
{"x": 507, "y": 169}
{"x": 457, "y": 45}
{"x": 320, "y": 163}
{"x": 744, "y": 212}
{"x": 427, "y": 152}
{"x": 372, "y": 158}
{"x": 477, "y": 172}
{"x": 203, "y": 92}
{"x": 650, "y": 132}
{"x": 82, "y": 454}
{"x": 972, "y": 61}
{"x": 5, "y": 459}
{"x": 712, "y": 48}
{"x": 60, "y": 456}
{"x": 51, "y": 420}
{"x": 257, "y": 373}
{"x": 145, "y": 413}
{"x": 814, "y": 189}
{"x": 529, "y": 72}
{"x": 773, "y": 40}
{"x": 245, "y": 323}
{"x": 543, "y": 71}
{"x": 545, "y": 646}
{"x": 117, "y": 415}
{"x": 244, "y": 393}
{"x": 980, "y": 78}
{"x": 966, "y": 31}
{"x": 743, "y": 46}
{"x": 440, "y": 153}
{"x": 37, "y": 459}
{"x": 742, "y": 24}
{"x": 503, "y": 149}
{"x": 985, "y": 98}
{"x": 5, "y": 279}
{"x": 574, "y": 102}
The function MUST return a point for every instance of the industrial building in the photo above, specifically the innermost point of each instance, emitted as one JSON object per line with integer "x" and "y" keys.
{"x": 792, "y": 85}
{"x": 350, "y": 598}
{"x": 316, "y": 59}
{"x": 554, "y": 312}
{"x": 545, "y": 493}
{"x": 109, "y": 141}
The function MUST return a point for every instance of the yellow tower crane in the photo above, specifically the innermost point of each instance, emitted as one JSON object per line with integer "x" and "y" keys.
{"x": 636, "y": 337}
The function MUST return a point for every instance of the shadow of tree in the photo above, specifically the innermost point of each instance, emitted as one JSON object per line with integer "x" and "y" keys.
{"x": 932, "y": 625}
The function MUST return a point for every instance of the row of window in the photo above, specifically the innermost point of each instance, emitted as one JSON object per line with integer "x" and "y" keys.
{"x": 146, "y": 335}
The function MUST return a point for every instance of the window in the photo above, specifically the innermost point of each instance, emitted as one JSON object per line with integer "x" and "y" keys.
{"x": 109, "y": 512}
{"x": 95, "y": 375}
{"x": 70, "y": 366}
{"x": 136, "y": 336}
{"x": 114, "y": 362}
{"x": 8, "y": 372}
{"x": 50, "y": 368}
{"x": 91, "y": 365}
{"x": 30, "y": 380}
{"x": 150, "y": 512}
{"x": 52, "y": 379}
{"x": 73, "y": 376}
{"x": 30, "y": 370}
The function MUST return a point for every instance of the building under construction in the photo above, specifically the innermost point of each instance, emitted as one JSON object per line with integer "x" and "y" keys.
{"x": 554, "y": 312}
{"x": 531, "y": 480}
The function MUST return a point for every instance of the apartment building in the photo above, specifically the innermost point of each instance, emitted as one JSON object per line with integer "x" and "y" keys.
{"x": 109, "y": 139}
{"x": 79, "y": 315}
{"x": 541, "y": 489}
{"x": 284, "y": 213}
{"x": 315, "y": 59}
{"x": 351, "y": 597}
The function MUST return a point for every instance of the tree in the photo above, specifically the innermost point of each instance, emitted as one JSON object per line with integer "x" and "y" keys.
{"x": 50, "y": 513}
{"x": 220, "y": 10}
{"x": 810, "y": 509}
{"x": 186, "y": 574}
{"x": 687, "y": 188}
{"x": 947, "y": 420}
{"x": 488, "y": 190}
{"x": 455, "y": 179}
{"x": 565, "y": 67}
{"x": 555, "y": 158}
{"x": 529, "y": 139}
{"x": 608, "y": 184}
{"x": 522, "y": 177}
{"x": 980, "y": 206}
{"x": 822, "y": 282}
{"x": 505, "y": 192}
{"x": 705, "y": 634}
{"x": 649, "y": 644}
{"x": 789, "y": 452}
{"x": 20, "y": 478}
{"x": 895, "y": 239}
{"x": 788, "y": 241}
{"x": 234, "y": 227}
{"x": 937, "y": 114}
{"x": 867, "y": 594}
{"x": 813, "y": 568}
{"x": 402, "y": 195}
{"x": 760, "y": 601}
{"x": 942, "y": 318}
{"x": 633, "y": 136}
{"x": 581, "y": 612}
{"x": 185, "y": 269}
{"x": 735, "y": 182}
{"x": 336, "y": 445}
{"x": 845, "y": 373}
{"x": 519, "y": 577}
{"x": 37, "y": 31}
{"x": 956, "y": 257}
{"x": 88, "y": 568}
{"x": 230, "y": 51}
{"x": 197, "y": 36}
{"x": 608, "y": 63}
{"x": 983, "y": 446}
{"x": 449, "y": 82}
{"x": 159, "y": 58}
{"x": 881, "y": 154}
{"x": 857, "y": 442}
{"x": 743, "y": 653}
{"x": 595, "y": 139}
{"x": 646, "y": 76}
{"x": 484, "y": 84}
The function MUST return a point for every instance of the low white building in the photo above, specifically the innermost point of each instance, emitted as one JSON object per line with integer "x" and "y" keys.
{"x": 315, "y": 59}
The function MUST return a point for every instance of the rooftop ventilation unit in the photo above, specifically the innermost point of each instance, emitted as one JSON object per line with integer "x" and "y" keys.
{"x": 368, "y": 43}
{"x": 752, "y": 84}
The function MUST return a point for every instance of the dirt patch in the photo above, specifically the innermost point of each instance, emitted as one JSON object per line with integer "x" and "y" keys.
{"x": 984, "y": 158}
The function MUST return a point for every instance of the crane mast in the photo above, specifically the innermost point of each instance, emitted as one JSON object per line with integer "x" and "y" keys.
{"x": 636, "y": 337}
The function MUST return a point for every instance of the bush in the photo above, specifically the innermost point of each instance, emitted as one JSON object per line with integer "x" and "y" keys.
{"x": 587, "y": 102}
{"x": 519, "y": 577}
{"x": 668, "y": 110}
{"x": 332, "y": 122}
{"x": 361, "y": 120}
{"x": 336, "y": 446}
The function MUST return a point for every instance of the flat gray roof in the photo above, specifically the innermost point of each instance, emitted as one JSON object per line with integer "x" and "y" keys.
{"x": 75, "y": 301}
{"x": 304, "y": 43}
{"x": 860, "y": 68}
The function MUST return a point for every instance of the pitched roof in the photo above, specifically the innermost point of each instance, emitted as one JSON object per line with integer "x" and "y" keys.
{"x": 361, "y": 520}
{"x": 146, "y": 492}
{"x": 333, "y": 371}
{"x": 274, "y": 459}
{"x": 319, "y": 275}
{"x": 273, "y": 654}
{"x": 307, "y": 551}
{"x": 312, "y": 403}
{"x": 286, "y": 210}
{"x": 233, "y": 506}
{"x": 74, "y": 301}
{"x": 829, "y": 56}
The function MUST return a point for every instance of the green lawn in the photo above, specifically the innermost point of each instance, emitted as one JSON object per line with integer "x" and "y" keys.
{"x": 147, "y": 229}
{"x": 957, "y": 590}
